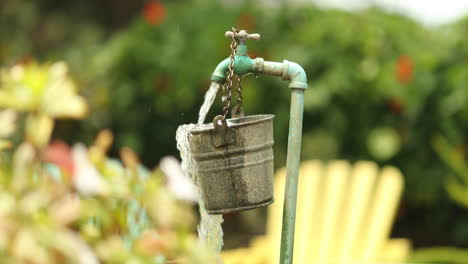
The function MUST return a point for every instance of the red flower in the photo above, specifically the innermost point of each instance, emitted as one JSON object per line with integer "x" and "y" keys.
{"x": 154, "y": 13}
{"x": 404, "y": 69}
{"x": 59, "y": 153}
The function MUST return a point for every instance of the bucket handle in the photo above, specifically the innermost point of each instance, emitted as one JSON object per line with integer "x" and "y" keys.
{"x": 222, "y": 134}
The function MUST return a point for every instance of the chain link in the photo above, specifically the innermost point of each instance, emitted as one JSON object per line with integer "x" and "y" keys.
{"x": 239, "y": 91}
{"x": 230, "y": 77}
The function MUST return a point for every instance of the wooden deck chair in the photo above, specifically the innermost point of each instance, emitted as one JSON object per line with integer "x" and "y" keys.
{"x": 344, "y": 215}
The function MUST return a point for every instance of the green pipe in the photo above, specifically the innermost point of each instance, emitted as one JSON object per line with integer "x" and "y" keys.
{"x": 292, "y": 175}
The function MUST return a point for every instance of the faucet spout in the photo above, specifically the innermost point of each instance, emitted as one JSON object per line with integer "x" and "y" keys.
{"x": 219, "y": 74}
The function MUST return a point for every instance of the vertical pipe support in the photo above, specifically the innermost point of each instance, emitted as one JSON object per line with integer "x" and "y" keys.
{"x": 292, "y": 175}
{"x": 297, "y": 78}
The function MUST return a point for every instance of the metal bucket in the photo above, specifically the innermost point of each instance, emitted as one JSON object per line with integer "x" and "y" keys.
{"x": 234, "y": 163}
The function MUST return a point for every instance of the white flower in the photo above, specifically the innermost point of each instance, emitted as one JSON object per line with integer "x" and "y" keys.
{"x": 86, "y": 178}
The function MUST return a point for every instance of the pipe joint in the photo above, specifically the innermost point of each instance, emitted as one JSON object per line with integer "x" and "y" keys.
{"x": 296, "y": 75}
{"x": 258, "y": 65}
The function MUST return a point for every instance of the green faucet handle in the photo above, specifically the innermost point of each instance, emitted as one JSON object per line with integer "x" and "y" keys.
{"x": 243, "y": 35}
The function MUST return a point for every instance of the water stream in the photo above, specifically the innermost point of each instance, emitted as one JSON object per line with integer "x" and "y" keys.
{"x": 209, "y": 229}
{"x": 209, "y": 99}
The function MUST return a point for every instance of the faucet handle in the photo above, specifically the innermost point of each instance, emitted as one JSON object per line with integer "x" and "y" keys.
{"x": 243, "y": 35}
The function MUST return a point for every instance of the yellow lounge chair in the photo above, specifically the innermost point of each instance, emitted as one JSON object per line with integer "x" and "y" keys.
{"x": 344, "y": 215}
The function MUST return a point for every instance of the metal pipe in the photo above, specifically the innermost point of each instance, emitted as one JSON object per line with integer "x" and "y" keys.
{"x": 272, "y": 68}
{"x": 292, "y": 175}
{"x": 297, "y": 83}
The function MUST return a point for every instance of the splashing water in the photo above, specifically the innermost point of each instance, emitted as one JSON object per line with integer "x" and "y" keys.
{"x": 209, "y": 229}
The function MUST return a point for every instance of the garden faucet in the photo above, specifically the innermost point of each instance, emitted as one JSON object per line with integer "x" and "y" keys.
{"x": 243, "y": 64}
{"x": 297, "y": 78}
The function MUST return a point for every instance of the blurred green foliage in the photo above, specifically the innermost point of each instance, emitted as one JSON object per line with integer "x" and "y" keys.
{"x": 381, "y": 85}
{"x": 62, "y": 204}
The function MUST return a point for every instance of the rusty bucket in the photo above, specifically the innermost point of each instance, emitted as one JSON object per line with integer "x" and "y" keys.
{"x": 234, "y": 163}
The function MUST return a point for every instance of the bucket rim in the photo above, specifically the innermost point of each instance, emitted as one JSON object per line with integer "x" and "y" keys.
{"x": 235, "y": 122}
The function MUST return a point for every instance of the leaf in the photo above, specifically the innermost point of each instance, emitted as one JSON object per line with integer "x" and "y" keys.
{"x": 456, "y": 191}
{"x": 455, "y": 160}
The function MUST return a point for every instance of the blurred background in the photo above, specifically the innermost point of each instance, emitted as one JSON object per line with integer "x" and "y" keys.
{"x": 388, "y": 83}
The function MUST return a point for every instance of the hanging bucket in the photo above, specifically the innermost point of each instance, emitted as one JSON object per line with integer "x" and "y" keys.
{"x": 234, "y": 163}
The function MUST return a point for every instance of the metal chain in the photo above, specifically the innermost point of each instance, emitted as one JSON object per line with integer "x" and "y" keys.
{"x": 230, "y": 77}
{"x": 239, "y": 91}
{"x": 239, "y": 88}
